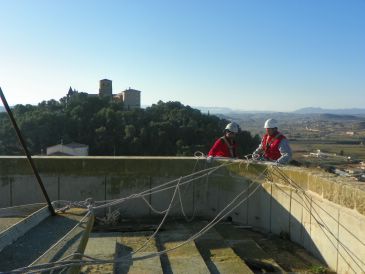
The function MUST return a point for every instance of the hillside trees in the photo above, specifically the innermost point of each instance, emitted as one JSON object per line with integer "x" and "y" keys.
{"x": 163, "y": 129}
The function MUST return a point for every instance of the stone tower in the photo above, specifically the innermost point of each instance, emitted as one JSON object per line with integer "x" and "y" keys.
{"x": 105, "y": 88}
{"x": 131, "y": 98}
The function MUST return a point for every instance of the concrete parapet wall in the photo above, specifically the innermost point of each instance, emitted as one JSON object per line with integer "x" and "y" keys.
{"x": 339, "y": 190}
{"x": 320, "y": 211}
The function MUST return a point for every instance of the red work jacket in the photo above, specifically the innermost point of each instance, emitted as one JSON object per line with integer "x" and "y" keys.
{"x": 223, "y": 148}
{"x": 270, "y": 145}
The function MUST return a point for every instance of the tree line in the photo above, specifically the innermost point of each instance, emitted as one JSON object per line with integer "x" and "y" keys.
{"x": 169, "y": 128}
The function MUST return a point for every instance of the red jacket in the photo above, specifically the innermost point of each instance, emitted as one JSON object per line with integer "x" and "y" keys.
{"x": 270, "y": 145}
{"x": 223, "y": 148}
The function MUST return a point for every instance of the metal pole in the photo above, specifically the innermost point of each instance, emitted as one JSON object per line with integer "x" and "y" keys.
{"x": 35, "y": 171}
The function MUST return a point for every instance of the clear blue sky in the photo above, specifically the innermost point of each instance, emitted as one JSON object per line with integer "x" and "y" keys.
{"x": 276, "y": 55}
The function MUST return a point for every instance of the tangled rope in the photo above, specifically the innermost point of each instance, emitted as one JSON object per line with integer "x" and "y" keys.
{"x": 92, "y": 206}
{"x": 176, "y": 184}
{"x": 64, "y": 263}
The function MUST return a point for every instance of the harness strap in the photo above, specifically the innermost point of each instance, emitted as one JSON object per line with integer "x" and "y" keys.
{"x": 230, "y": 147}
{"x": 268, "y": 144}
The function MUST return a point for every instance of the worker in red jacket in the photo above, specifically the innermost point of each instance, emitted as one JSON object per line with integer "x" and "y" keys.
{"x": 274, "y": 146}
{"x": 225, "y": 146}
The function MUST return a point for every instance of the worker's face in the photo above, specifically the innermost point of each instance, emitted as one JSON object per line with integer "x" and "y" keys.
{"x": 230, "y": 134}
{"x": 271, "y": 131}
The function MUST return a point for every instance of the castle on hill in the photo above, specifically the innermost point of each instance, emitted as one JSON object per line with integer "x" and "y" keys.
{"x": 131, "y": 98}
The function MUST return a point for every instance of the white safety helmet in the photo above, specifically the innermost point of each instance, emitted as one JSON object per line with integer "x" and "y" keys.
{"x": 232, "y": 127}
{"x": 271, "y": 123}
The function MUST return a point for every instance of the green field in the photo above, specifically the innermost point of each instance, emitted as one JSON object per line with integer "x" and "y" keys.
{"x": 355, "y": 151}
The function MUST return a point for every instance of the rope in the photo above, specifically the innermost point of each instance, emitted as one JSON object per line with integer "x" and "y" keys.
{"x": 108, "y": 203}
{"x": 60, "y": 264}
{"x": 199, "y": 155}
{"x": 183, "y": 211}
{"x": 140, "y": 195}
{"x": 163, "y": 220}
{"x": 320, "y": 221}
{"x": 157, "y": 188}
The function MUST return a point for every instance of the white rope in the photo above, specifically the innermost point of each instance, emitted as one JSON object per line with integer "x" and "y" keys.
{"x": 140, "y": 248}
{"x": 321, "y": 223}
{"x": 199, "y": 155}
{"x": 163, "y": 220}
{"x": 62, "y": 264}
{"x": 167, "y": 188}
{"x": 67, "y": 234}
{"x": 87, "y": 202}
{"x": 152, "y": 208}
{"x": 158, "y": 189}
{"x": 215, "y": 220}
{"x": 183, "y": 211}
{"x": 113, "y": 202}
{"x": 59, "y": 264}
{"x": 108, "y": 203}
{"x": 180, "y": 196}
{"x": 219, "y": 217}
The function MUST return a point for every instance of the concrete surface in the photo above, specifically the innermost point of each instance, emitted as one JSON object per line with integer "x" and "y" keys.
{"x": 16, "y": 221}
{"x": 186, "y": 258}
{"x": 223, "y": 249}
{"x": 34, "y": 246}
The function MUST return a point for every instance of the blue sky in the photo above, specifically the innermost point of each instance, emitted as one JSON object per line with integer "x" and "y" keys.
{"x": 276, "y": 55}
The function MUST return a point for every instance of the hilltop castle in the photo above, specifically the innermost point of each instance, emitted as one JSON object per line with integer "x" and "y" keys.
{"x": 131, "y": 98}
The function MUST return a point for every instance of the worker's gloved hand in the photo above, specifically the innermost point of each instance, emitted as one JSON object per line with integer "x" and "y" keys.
{"x": 277, "y": 163}
{"x": 209, "y": 159}
{"x": 255, "y": 157}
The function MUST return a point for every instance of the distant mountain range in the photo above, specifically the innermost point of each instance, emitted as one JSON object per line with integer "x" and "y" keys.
{"x": 214, "y": 110}
{"x": 317, "y": 110}
{"x": 307, "y": 110}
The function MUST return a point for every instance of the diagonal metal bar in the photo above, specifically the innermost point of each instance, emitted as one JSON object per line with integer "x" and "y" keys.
{"x": 20, "y": 137}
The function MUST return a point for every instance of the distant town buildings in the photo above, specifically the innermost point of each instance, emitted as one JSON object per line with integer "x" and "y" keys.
{"x": 131, "y": 98}
{"x": 341, "y": 165}
{"x": 72, "y": 149}
{"x": 106, "y": 88}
